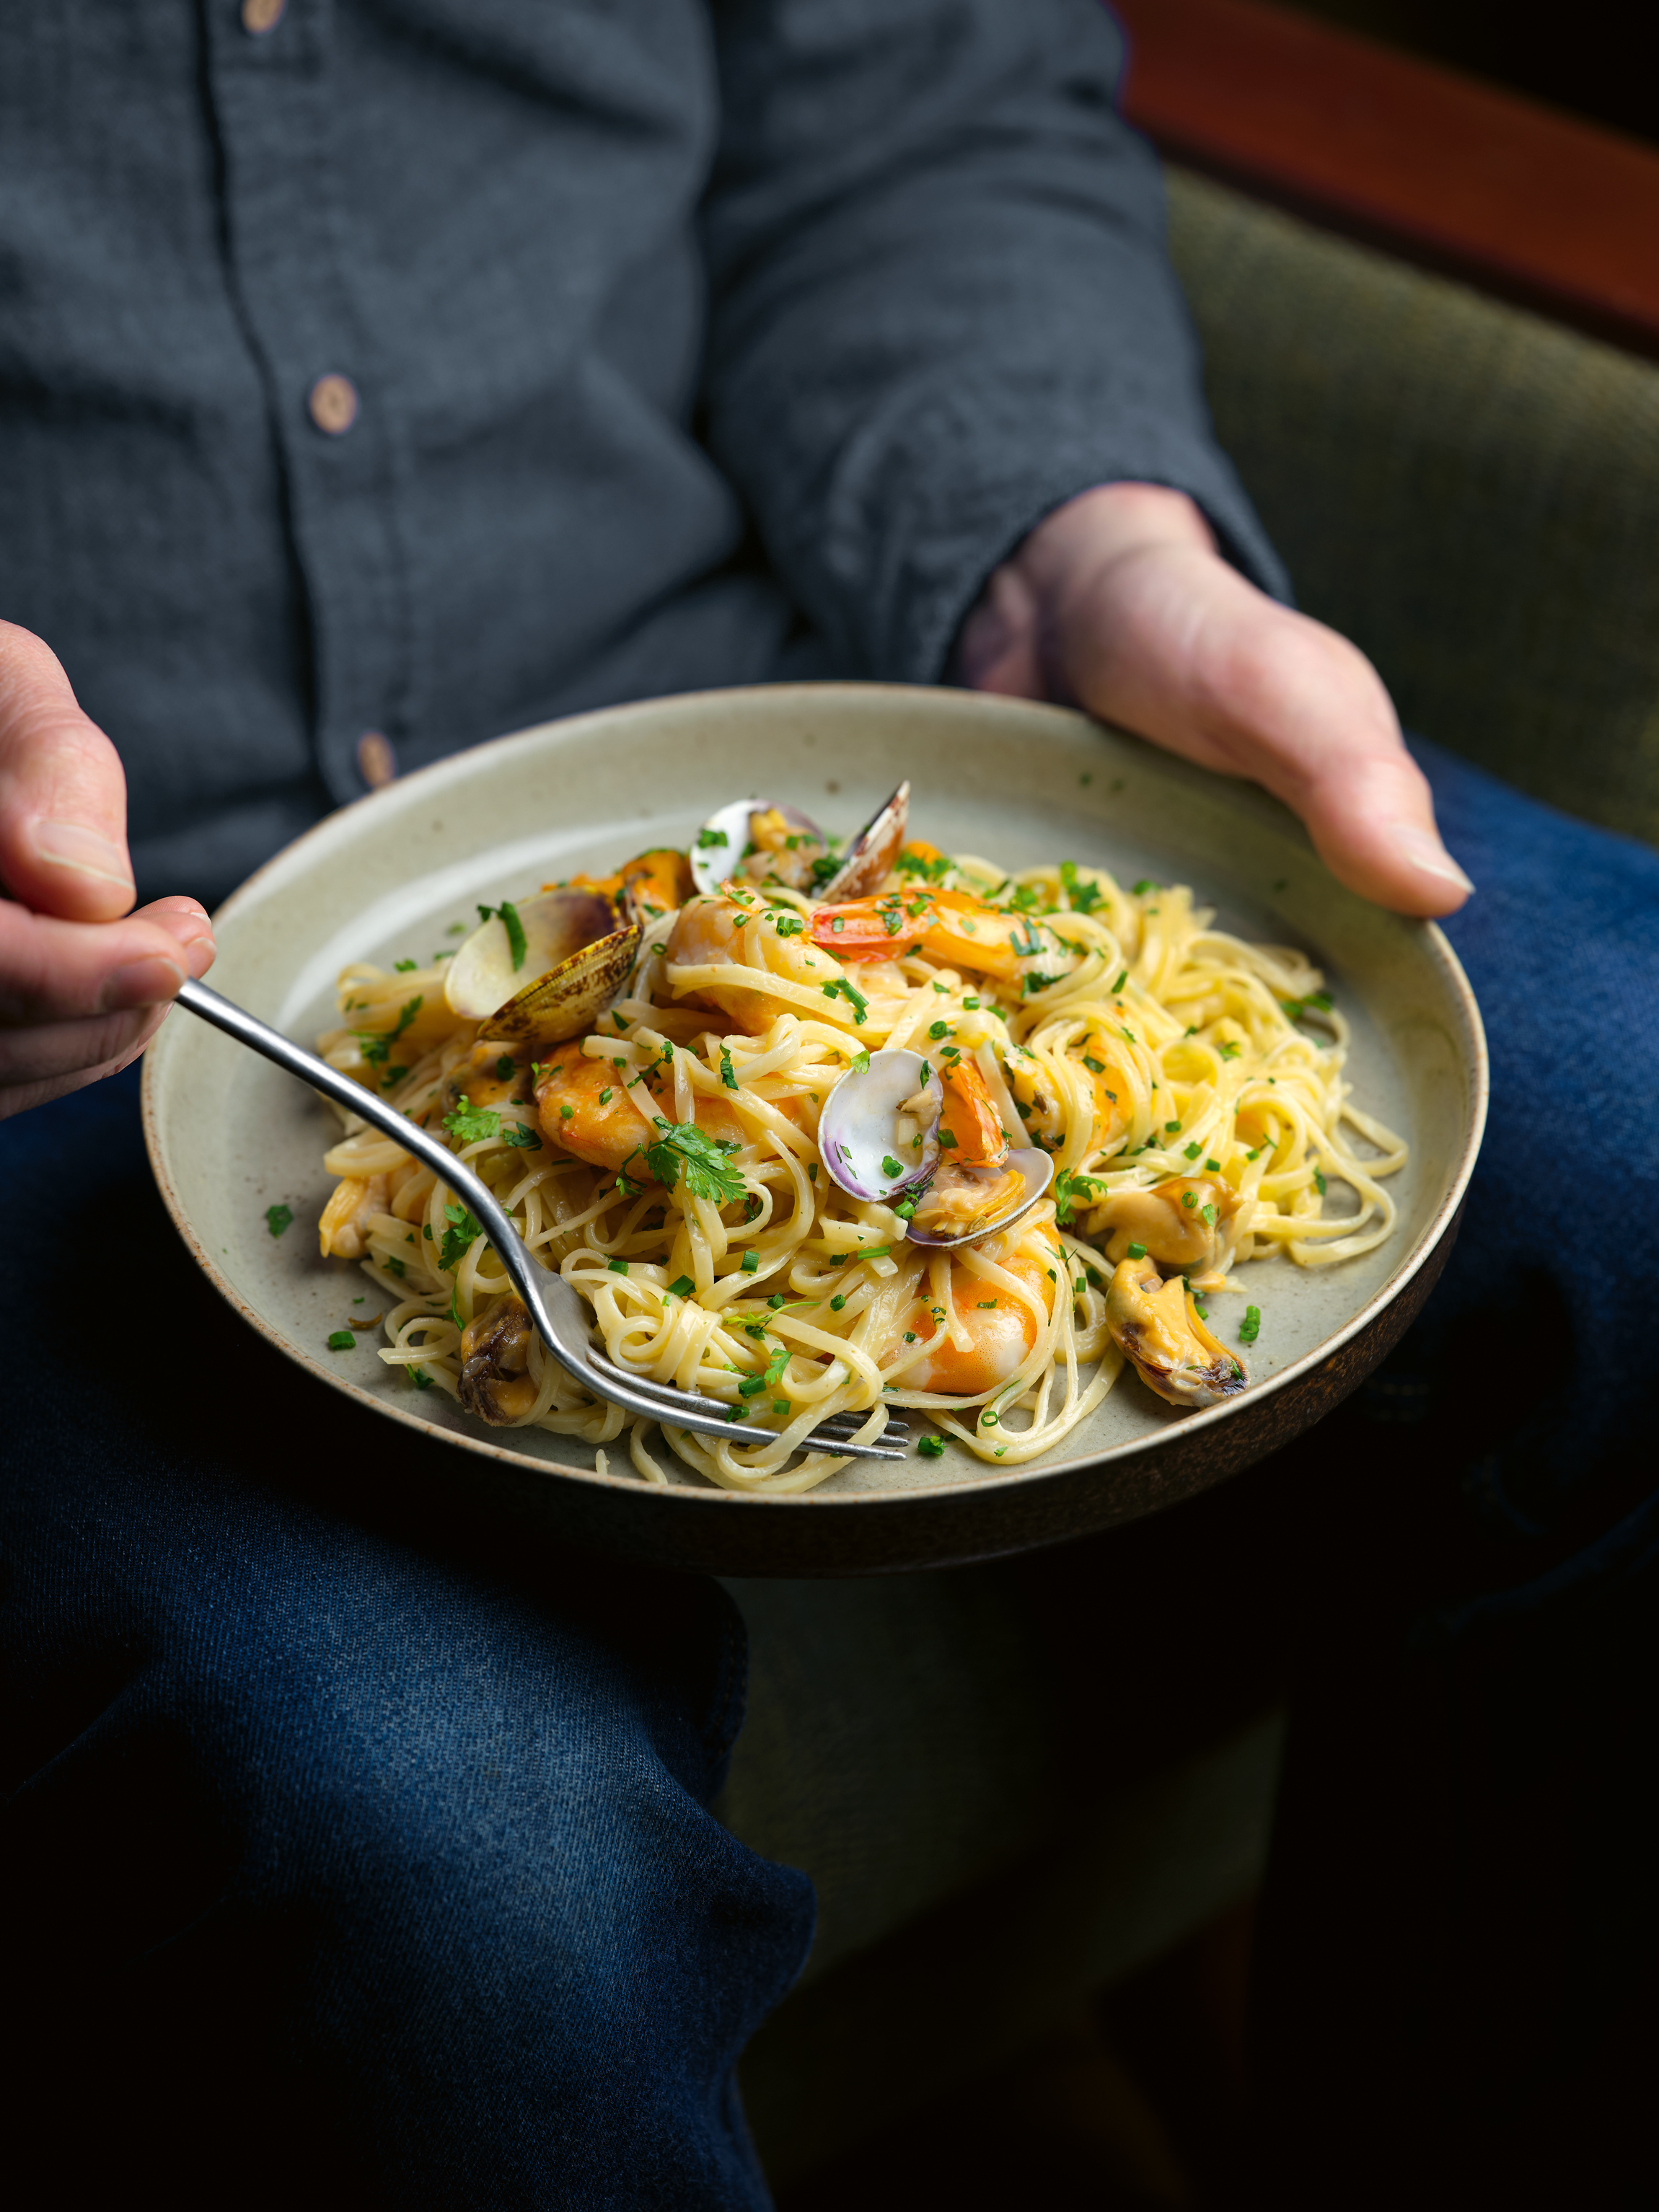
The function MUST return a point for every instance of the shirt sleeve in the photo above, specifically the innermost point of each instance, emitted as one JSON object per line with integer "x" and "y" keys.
{"x": 939, "y": 305}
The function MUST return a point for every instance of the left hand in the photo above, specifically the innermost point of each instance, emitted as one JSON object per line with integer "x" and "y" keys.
{"x": 1118, "y": 602}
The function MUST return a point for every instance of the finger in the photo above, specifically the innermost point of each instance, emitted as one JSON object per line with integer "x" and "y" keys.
{"x": 39, "y": 1064}
{"x": 63, "y": 793}
{"x": 188, "y": 923}
{"x": 1307, "y": 716}
{"x": 65, "y": 971}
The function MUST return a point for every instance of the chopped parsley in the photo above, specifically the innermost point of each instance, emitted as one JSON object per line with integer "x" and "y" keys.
{"x": 728, "y": 1073}
{"x": 708, "y": 839}
{"x": 1094, "y": 1066}
{"x": 419, "y": 1378}
{"x": 522, "y": 1137}
{"x": 402, "y": 966}
{"x": 278, "y": 1218}
{"x": 860, "y": 1005}
{"x": 860, "y": 1063}
{"x": 377, "y": 1049}
{"x": 1228, "y": 1051}
{"x": 394, "y": 1267}
{"x": 504, "y": 1067}
{"x": 1144, "y": 885}
{"x": 1318, "y": 1182}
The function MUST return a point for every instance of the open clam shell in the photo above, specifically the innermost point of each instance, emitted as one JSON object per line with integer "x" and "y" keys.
{"x": 868, "y": 860}
{"x": 553, "y": 926}
{"x": 571, "y": 997}
{"x": 858, "y": 1131}
{"x": 1035, "y": 1170}
{"x": 724, "y": 841}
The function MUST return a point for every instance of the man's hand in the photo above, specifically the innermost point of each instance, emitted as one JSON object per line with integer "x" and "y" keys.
{"x": 81, "y": 990}
{"x": 1119, "y": 601}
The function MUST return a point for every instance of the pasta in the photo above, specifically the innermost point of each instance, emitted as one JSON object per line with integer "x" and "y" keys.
{"x": 1185, "y": 1087}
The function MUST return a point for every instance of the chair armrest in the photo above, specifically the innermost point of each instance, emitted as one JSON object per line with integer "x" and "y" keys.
{"x": 1470, "y": 493}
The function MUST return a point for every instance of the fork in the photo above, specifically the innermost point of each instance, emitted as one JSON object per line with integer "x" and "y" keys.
{"x": 561, "y": 1318}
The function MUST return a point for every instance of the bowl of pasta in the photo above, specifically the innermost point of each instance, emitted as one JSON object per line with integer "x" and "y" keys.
{"x": 853, "y": 1050}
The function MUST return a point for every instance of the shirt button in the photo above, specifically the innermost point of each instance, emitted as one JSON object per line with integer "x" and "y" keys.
{"x": 377, "y": 764}
{"x": 259, "y": 17}
{"x": 332, "y": 403}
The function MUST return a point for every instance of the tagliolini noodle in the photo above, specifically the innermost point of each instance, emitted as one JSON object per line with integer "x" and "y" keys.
{"x": 1134, "y": 1042}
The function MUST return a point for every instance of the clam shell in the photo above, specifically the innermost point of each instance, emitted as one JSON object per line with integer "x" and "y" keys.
{"x": 724, "y": 838}
{"x": 1036, "y": 1170}
{"x": 869, "y": 859}
{"x": 571, "y": 997}
{"x": 555, "y": 924}
{"x": 856, "y": 1128}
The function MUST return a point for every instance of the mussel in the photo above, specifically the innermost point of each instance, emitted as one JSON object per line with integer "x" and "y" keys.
{"x": 1189, "y": 1223}
{"x": 1157, "y": 1326}
{"x": 759, "y": 841}
{"x": 541, "y": 971}
{"x": 896, "y": 1127}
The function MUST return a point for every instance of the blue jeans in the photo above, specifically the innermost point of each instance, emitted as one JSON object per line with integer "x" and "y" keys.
{"x": 356, "y": 1847}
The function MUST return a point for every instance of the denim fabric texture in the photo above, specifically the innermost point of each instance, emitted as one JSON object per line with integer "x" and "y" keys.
{"x": 350, "y": 1819}
{"x": 692, "y": 344}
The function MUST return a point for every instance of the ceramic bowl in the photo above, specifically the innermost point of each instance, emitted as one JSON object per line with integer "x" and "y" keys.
{"x": 229, "y": 1135}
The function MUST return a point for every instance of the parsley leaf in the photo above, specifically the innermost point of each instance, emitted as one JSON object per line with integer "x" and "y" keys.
{"x": 683, "y": 1149}
{"x": 472, "y": 1125}
{"x": 521, "y": 1136}
{"x": 459, "y": 1237}
{"x": 277, "y": 1218}
{"x": 1072, "y": 1190}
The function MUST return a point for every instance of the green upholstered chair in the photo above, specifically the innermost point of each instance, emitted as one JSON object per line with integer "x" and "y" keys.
{"x": 1472, "y": 494}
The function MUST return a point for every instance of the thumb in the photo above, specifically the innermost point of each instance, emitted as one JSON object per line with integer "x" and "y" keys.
{"x": 63, "y": 793}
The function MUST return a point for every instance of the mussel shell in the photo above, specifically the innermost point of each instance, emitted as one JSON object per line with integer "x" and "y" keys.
{"x": 1037, "y": 1170}
{"x": 557, "y": 925}
{"x": 728, "y": 831}
{"x": 869, "y": 860}
{"x": 571, "y": 997}
{"x": 856, "y": 1128}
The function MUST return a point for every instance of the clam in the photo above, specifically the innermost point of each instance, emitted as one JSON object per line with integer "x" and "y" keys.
{"x": 541, "y": 971}
{"x": 758, "y": 840}
{"x": 1155, "y": 1325}
{"x": 754, "y": 838}
{"x": 878, "y": 1131}
{"x": 890, "y": 1128}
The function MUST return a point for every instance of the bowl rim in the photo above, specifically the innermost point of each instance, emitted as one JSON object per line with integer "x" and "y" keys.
{"x": 336, "y": 826}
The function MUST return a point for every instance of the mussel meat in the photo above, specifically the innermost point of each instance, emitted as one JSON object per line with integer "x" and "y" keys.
{"x": 1155, "y": 1325}
{"x": 1189, "y": 1223}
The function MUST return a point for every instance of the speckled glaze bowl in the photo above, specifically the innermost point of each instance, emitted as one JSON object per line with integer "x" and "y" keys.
{"x": 229, "y": 1135}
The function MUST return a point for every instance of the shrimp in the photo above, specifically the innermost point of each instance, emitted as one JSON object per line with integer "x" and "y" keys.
{"x": 739, "y": 930}
{"x": 1000, "y": 1331}
{"x": 590, "y": 1109}
{"x": 948, "y": 926}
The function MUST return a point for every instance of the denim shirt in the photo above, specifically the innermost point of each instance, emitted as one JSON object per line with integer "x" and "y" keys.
{"x": 429, "y": 370}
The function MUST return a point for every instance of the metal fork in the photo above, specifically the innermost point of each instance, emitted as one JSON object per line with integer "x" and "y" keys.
{"x": 556, "y": 1308}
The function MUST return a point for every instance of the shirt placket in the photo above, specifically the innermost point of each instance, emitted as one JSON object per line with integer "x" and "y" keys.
{"x": 276, "y": 99}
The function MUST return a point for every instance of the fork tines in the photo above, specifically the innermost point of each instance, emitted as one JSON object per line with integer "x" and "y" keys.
{"x": 833, "y": 1435}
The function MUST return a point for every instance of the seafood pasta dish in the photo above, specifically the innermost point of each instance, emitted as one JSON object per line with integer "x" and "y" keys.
{"x": 815, "y": 1129}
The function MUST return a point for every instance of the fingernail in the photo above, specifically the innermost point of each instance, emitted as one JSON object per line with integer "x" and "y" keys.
{"x": 67, "y": 844}
{"x": 1426, "y": 853}
{"x": 145, "y": 982}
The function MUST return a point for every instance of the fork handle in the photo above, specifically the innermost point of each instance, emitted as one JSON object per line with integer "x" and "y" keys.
{"x": 553, "y": 1305}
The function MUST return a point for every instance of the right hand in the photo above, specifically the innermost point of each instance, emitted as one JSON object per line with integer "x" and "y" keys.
{"x": 83, "y": 990}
